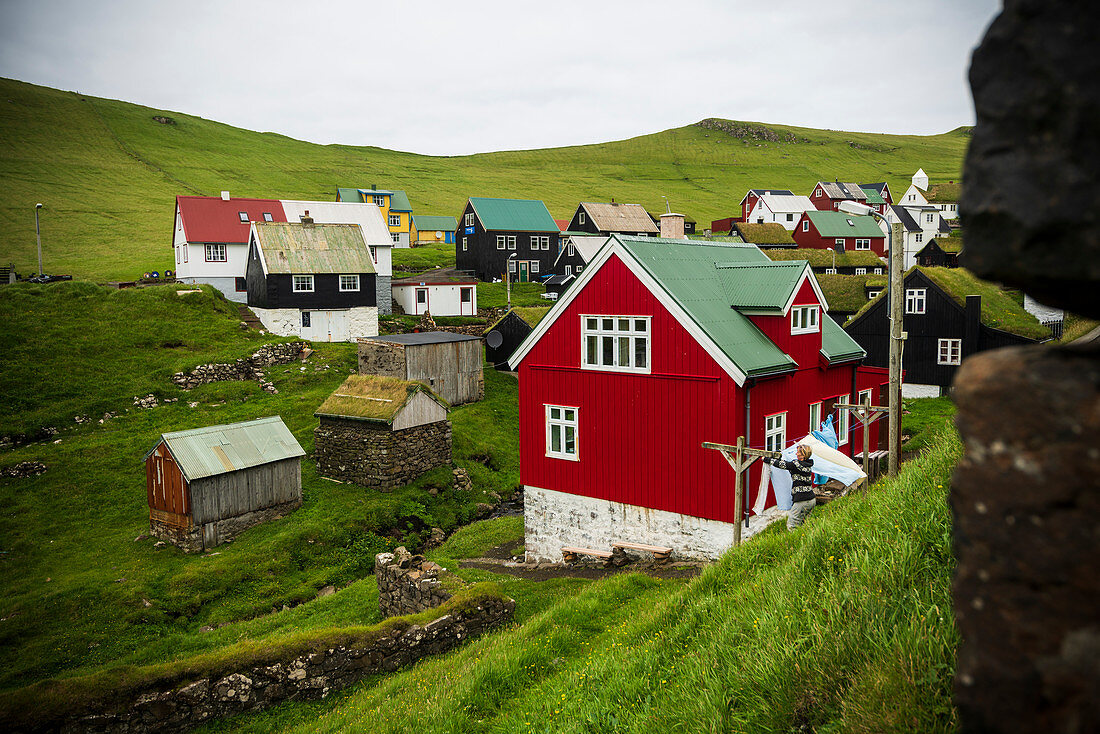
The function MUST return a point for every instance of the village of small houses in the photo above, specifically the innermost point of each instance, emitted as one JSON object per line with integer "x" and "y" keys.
{"x": 358, "y": 458}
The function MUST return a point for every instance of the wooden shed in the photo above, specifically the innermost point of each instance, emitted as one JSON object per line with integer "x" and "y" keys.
{"x": 206, "y": 485}
{"x": 381, "y": 432}
{"x": 450, "y": 364}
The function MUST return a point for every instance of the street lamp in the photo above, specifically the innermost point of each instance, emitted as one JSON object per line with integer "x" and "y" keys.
{"x": 38, "y": 236}
{"x": 893, "y": 296}
{"x": 508, "y": 277}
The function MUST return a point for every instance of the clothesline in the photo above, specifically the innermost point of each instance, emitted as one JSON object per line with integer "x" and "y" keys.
{"x": 859, "y": 424}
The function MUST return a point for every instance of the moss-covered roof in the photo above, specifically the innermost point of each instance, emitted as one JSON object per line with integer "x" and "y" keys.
{"x": 531, "y": 314}
{"x": 952, "y": 244}
{"x": 943, "y": 193}
{"x": 999, "y": 310}
{"x": 764, "y": 234}
{"x": 372, "y": 397}
{"x": 823, "y": 258}
{"x": 843, "y": 292}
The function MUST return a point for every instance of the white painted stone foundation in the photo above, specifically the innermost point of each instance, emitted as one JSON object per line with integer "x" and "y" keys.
{"x": 361, "y": 321}
{"x": 918, "y": 390}
{"x": 554, "y": 520}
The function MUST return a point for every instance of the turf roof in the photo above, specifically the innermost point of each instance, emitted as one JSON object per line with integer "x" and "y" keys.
{"x": 943, "y": 193}
{"x": 372, "y": 397}
{"x": 765, "y": 234}
{"x": 845, "y": 293}
{"x": 823, "y": 258}
{"x": 532, "y": 315}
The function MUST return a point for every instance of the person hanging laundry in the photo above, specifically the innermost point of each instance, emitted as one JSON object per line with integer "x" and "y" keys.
{"x": 802, "y": 489}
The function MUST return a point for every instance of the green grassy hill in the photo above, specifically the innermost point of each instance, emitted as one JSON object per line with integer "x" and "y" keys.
{"x": 108, "y": 173}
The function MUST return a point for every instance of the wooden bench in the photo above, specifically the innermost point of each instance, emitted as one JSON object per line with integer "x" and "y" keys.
{"x": 660, "y": 553}
{"x": 570, "y": 554}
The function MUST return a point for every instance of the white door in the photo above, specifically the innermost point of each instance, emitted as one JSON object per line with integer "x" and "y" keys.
{"x": 337, "y": 326}
{"x": 421, "y": 301}
{"x": 314, "y": 326}
{"x": 466, "y": 301}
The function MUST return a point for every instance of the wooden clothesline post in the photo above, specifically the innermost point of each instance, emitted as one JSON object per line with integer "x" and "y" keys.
{"x": 868, "y": 414}
{"x": 736, "y": 456}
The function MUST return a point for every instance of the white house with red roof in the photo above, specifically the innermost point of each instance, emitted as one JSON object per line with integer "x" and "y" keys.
{"x": 210, "y": 237}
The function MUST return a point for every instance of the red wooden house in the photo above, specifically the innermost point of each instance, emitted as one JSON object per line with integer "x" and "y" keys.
{"x": 659, "y": 346}
{"x": 748, "y": 202}
{"x": 837, "y": 230}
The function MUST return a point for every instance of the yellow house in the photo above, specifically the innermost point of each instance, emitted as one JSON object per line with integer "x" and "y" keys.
{"x": 428, "y": 230}
{"x": 394, "y": 205}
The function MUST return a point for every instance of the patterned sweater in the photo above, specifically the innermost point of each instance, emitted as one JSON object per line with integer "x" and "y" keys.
{"x": 802, "y": 477}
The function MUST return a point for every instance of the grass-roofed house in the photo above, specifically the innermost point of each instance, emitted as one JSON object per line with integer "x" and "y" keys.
{"x": 948, "y": 315}
{"x": 660, "y": 346}
{"x": 831, "y": 262}
{"x": 206, "y": 485}
{"x": 502, "y": 338}
{"x": 517, "y": 236}
{"x": 381, "y": 432}
{"x": 940, "y": 252}
{"x": 767, "y": 235}
{"x": 316, "y": 281}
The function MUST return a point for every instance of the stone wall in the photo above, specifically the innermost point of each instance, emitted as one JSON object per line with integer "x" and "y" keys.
{"x": 250, "y": 368}
{"x": 191, "y": 539}
{"x": 174, "y": 706}
{"x": 407, "y": 584}
{"x": 381, "y": 358}
{"x": 383, "y": 295}
{"x": 556, "y": 519}
{"x": 369, "y": 454}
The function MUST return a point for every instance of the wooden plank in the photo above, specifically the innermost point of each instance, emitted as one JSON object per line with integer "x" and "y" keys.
{"x": 655, "y": 549}
{"x": 586, "y": 552}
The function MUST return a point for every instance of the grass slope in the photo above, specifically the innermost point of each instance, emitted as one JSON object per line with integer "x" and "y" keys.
{"x": 80, "y": 593}
{"x": 845, "y": 625}
{"x": 108, "y": 174}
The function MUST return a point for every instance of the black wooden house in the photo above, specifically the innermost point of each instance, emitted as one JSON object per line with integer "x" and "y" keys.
{"x": 498, "y": 236}
{"x": 948, "y": 315}
{"x": 502, "y": 338}
{"x": 312, "y": 280}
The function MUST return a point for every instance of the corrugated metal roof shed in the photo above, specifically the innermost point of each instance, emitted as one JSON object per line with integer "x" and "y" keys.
{"x": 316, "y": 248}
{"x": 516, "y": 215}
{"x": 204, "y": 452}
{"x": 841, "y": 224}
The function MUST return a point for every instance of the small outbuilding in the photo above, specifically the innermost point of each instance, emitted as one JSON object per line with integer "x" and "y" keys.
{"x": 207, "y": 485}
{"x": 450, "y": 364}
{"x": 440, "y": 292}
{"x": 381, "y": 432}
{"x": 502, "y": 338}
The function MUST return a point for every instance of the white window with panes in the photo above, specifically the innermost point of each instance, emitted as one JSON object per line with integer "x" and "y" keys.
{"x": 540, "y": 242}
{"x": 349, "y": 282}
{"x": 949, "y": 351}
{"x": 861, "y": 271}
{"x": 302, "y": 283}
{"x": 843, "y": 418}
{"x": 915, "y": 300}
{"x": 804, "y": 319}
{"x": 395, "y": 238}
{"x": 619, "y": 343}
{"x": 534, "y": 266}
{"x": 775, "y": 432}
{"x": 580, "y": 218}
{"x": 815, "y": 416}
{"x": 561, "y": 432}
{"x": 215, "y": 253}
{"x": 469, "y": 219}
{"x": 394, "y": 220}
{"x": 863, "y": 244}
{"x": 830, "y": 271}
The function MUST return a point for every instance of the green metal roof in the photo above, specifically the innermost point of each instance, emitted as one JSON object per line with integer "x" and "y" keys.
{"x": 518, "y": 215}
{"x": 760, "y": 287}
{"x": 399, "y": 202}
{"x": 686, "y": 270}
{"x": 344, "y": 194}
{"x": 205, "y": 452}
{"x": 840, "y": 224}
{"x": 428, "y": 222}
{"x": 873, "y": 196}
{"x": 289, "y": 247}
{"x": 836, "y": 344}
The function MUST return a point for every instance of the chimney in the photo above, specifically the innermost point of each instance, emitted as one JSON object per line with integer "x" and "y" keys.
{"x": 306, "y": 219}
{"x": 973, "y": 325}
{"x": 672, "y": 226}
{"x": 374, "y": 187}
{"x": 225, "y": 196}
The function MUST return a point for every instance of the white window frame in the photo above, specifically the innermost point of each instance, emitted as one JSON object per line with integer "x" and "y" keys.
{"x": 878, "y": 271}
{"x": 839, "y": 241}
{"x": 511, "y": 242}
{"x": 601, "y": 331}
{"x": 557, "y": 418}
{"x": 775, "y": 431}
{"x": 395, "y": 238}
{"x": 502, "y": 241}
{"x": 568, "y": 269}
{"x": 511, "y": 265}
{"x": 815, "y": 416}
{"x": 949, "y": 351}
{"x": 469, "y": 219}
{"x": 843, "y": 419}
{"x": 350, "y": 284}
{"x": 916, "y": 300}
{"x": 533, "y": 266}
{"x": 863, "y": 243}
{"x": 268, "y": 217}
{"x": 177, "y": 256}
{"x": 394, "y": 220}
{"x": 580, "y": 218}
{"x": 540, "y": 242}
{"x": 865, "y": 397}
{"x": 805, "y": 319}
{"x": 373, "y": 254}
{"x": 213, "y": 250}
{"x": 830, "y": 271}
{"x": 919, "y": 237}
{"x": 464, "y": 245}
{"x": 380, "y": 200}
{"x": 299, "y": 283}
{"x": 579, "y": 269}
{"x": 806, "y": 225}
{"x": 873, "y": 293}
{"x": 790, "y": 216}
{"x": 861, "y": 271}
{"x": 243, "y": 216}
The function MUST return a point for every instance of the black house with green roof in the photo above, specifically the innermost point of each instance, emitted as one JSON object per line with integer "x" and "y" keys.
{"x": 948, "y": 315}
{"x": 498, "y": 236}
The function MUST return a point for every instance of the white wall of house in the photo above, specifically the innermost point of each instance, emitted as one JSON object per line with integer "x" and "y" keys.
{"x": 912, "y": 196}
{"x": 917, "y": 390}
{"x": 439, "y": 300}
{"x": 766, "y": 210}
{"x": 334, "y": 325}
{"x": 194, "y": 268}
{"x": 553, "y": 520}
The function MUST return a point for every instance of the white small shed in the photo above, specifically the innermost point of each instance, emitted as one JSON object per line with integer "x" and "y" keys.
{"x": 440, "y": 292}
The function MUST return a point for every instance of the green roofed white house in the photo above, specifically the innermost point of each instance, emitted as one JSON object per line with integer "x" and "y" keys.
{"x": 316, "y": 281}
{"x": 495, "y": 236}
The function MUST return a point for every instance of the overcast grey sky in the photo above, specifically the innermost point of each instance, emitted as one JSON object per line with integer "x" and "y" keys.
{"x": 444, "y": 77}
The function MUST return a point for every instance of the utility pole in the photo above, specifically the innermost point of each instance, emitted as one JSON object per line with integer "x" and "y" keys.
{"x": 897, "y": 297}
{"x": 38, "y": 236}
